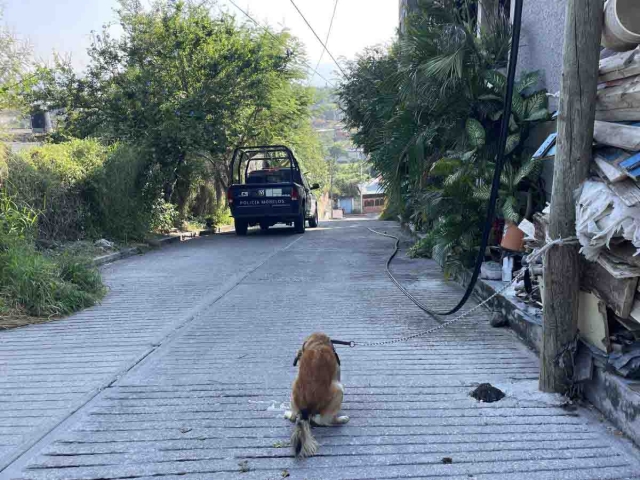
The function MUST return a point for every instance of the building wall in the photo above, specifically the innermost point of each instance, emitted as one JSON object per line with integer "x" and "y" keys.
{"x": 541, "y": 48}
{"x": 374, "y": 203}
{"x": 541, "y": 42}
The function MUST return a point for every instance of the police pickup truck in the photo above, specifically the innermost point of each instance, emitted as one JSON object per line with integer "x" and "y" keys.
{"x": 269, "y": 188}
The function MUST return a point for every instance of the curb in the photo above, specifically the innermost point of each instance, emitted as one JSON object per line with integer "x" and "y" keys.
{"x": 112, "y": 257}
{"x": 158, "y": 243}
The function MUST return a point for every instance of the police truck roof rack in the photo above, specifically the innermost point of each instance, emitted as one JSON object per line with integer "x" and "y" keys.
{"x": 247, "y": 155}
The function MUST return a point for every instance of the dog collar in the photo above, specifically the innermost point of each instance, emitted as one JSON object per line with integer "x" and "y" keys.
{"x": 333, "y": 342}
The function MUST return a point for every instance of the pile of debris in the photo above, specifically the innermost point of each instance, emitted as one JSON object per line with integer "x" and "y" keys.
{"x": 608, "y": 220}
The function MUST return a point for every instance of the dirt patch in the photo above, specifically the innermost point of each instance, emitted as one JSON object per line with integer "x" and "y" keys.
{"x": 487, "y": 393}
{"x": 8, "y": 322}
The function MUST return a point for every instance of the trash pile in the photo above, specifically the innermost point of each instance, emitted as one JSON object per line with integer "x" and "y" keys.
{"x": 607, "y": 210}
{"x": 608, "y": 219}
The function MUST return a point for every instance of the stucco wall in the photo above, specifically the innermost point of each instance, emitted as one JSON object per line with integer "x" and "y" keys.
{"x": 542, "y": 41}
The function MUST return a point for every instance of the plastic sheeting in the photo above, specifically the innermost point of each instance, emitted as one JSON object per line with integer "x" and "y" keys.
{"x": 602, "y": 216}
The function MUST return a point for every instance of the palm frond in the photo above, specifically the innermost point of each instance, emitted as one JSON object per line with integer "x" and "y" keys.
{"x": 446, "y": 68}
{"x": 512, "y": 143}
{"x": 517, "y": 106}
{"x": 475, "y": 133}
{"x": 509, "y": 210}
{"x": 529, "y": 169}
{"x": 482, "y": 192}
{"x": 527, "y": 81}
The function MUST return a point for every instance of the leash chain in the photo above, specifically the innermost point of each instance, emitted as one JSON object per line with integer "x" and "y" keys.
{"x": 443, "y": 325}
{"x": 530, "y": 260}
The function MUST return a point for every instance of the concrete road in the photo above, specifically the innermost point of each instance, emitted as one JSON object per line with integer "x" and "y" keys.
{"x": 184, "y": 373}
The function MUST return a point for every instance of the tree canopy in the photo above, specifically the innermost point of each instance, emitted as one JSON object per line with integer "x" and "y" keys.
{"x": 428, "y": 111}
{"x": 15, "y": 60}
{"x": 190, "y": 87}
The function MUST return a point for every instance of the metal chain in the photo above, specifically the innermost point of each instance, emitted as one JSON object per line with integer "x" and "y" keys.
{"x": 443, "y": 325}
{"x": 530, "y": 260}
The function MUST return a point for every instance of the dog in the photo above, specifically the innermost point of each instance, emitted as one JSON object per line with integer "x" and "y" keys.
{"x": 317, "y": 393}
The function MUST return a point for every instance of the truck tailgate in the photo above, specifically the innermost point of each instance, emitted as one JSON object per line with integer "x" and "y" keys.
{"x": 262, "y": 199}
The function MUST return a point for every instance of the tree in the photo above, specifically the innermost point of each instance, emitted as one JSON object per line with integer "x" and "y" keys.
{"x": 428, "y": 111}
{"x": 188, "y": 86}
{"x": 15, "y": 60}
{"x": 348, "y": 178}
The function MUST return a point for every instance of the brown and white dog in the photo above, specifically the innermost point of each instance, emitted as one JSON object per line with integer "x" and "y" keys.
{"x": 317, "y": 393}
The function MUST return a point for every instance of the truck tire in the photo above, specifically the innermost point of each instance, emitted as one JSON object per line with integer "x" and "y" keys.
{"x": 313, "y": 221}
{"x": 300, "y": 222}
{"x": 241, "y": 227}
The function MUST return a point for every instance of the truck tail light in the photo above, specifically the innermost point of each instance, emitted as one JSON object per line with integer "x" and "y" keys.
{"x": 229, "y": 197}
{"x": 294, "y": 194}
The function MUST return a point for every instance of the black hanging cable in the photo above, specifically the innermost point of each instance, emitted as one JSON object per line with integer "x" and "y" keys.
{"x": 305, "y": 63}
{"x": 326, "y": 40}
{"x": 319, "y": 39}
{"x": 495, "y": 187}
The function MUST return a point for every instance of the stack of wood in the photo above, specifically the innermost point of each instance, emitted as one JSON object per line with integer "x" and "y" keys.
{"x": 610, "y": 297}
{"x": 610, "y": 303}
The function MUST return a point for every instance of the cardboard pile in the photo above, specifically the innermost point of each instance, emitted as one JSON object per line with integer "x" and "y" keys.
{"x": 608, "y": 218}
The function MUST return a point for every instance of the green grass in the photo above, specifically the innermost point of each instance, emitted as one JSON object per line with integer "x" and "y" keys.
{"x": 36, "y": 285}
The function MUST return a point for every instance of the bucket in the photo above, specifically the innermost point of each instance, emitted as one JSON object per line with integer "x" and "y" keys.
{"x": 621, "y": 25}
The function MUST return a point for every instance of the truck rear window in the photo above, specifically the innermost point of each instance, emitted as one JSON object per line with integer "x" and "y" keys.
{"x": 272, "y": 176}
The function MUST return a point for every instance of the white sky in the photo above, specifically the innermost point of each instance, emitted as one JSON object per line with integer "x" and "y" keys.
{"x": 65, "y": 25}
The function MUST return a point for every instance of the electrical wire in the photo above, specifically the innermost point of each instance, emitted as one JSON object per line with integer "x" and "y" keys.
{"x": 326, "y": 41}
{"x": 304, "y": 62}
{"x": 319, "y": 39}
{"x": 495, "y": 186}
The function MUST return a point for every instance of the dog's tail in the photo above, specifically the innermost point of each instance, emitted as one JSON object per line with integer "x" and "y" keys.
{"x": 302, "y": 441}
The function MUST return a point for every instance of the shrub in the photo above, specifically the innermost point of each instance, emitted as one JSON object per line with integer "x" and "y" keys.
{"x": 51, "y": 179}
{"x": 34, "y": 284}
{"x": 80, "y": 272}
{"x": 164, "y": 217}
{"x": 121, "y": 195}
{"x": 15, "y": 222}
{"x": 41, "y": 286}
{"x": 221, "y": 216}
{"x": 423, "y": 248}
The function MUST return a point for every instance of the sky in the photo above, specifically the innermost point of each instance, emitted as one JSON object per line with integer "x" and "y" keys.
{"x": 65, "y": 26}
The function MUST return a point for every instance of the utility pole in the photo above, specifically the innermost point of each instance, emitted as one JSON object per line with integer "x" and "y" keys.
{"x": 583, "y": 29}
{"x": 331, "y": 188}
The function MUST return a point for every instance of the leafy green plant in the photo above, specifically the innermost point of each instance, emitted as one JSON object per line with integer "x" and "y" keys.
{"x": 120, "y": 196}
{"x": 15, "y": 221}
{"x": 428, "y": 112}
{"x": 39, "y": 286}
{"x": 80, "y": 272}
{"x": 52, "y": 180}
{"x": 32, "y": 283}
{"x": 164, "y": 217}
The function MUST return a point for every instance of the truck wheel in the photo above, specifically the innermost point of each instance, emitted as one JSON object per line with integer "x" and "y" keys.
{"x": 313, "y": 221}
{"x": 241, "y": 227}
{"x": 299, "y": 224}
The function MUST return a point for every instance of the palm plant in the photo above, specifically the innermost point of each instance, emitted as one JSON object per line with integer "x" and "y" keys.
{"x": 428, "y": 112}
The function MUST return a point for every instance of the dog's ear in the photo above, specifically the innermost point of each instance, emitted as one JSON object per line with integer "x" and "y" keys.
{"x": 295, "y": 360}
{"x": 298, "y": 355}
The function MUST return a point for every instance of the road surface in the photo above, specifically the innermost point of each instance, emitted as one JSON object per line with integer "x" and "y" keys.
{"x": 184, "y": 373}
